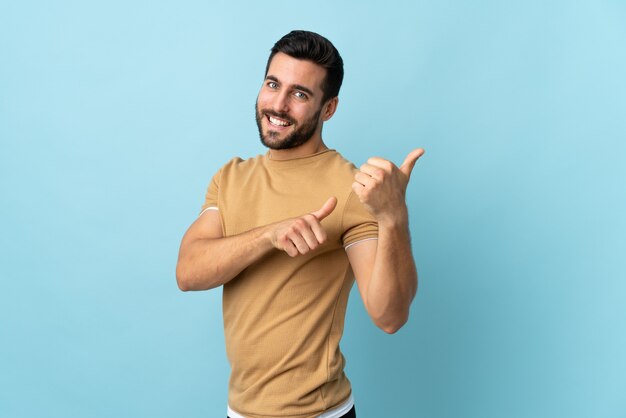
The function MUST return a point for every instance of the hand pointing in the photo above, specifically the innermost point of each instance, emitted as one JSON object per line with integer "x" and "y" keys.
{"x": 381, "y": 186}
{"x": 302, "y": 234}
{"x": 326, "y": 209}
{"x": 410, "y": 160}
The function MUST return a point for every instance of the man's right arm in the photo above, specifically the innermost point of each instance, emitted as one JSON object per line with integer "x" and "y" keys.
{"x": 207, "y": 259}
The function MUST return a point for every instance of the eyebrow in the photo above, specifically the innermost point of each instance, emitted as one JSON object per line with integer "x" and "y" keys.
{"x": 295, "y": 86}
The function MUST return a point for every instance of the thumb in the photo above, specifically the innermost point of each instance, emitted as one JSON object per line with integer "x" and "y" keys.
{"x": 409, "y": 161}
{"x": 326, "y": 210}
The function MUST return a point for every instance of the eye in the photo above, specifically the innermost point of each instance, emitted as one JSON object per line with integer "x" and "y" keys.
{"x": 272, "y": 85}
{"x": 300, "y": 95}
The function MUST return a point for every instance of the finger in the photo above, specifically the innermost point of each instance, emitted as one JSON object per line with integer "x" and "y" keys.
{"x": 357, "y": 187}
{"x": 381, "y": 163}
{"x": 358, "y": 190}
{"x": 289, "y": 247}
{"x": 364, "y": 179}
{"x": 326, "y": 210}
{"x": 299, "y": 242}
{"x": 409, "y": 161}
{"x": 309, "y": 236}
{"x": 318, "y": 231}
{"x": 376, "y": 172}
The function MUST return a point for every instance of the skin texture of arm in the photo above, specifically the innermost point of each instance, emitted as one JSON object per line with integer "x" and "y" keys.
{"x": 384, "y": 269}
{"x": 207, "y": 259}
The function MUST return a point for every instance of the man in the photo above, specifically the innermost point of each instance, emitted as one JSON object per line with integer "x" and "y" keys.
{"x": 284, "y": 232}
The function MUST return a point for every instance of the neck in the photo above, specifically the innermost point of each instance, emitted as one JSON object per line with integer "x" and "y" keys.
{"x": 312, "y": 146}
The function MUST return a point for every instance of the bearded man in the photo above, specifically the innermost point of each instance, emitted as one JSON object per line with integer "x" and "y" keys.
{"x": 286, "y": 233}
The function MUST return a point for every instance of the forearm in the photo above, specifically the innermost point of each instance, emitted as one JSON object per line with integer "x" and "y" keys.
{"x": 393, "y": 283}
{"x": 210, "y": 262}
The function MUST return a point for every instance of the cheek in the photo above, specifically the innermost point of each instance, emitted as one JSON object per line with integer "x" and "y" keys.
{"x": 300, "y": 111}
{"x": 261, "y": 101}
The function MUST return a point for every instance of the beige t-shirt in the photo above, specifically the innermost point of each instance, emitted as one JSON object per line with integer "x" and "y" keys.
{"x": 284, "y": 316}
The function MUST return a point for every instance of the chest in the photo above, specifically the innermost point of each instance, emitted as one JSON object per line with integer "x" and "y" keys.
{"x": 251, "y": 200}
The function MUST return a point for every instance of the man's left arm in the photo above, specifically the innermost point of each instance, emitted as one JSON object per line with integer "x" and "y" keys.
{"x": 384, "y": 269}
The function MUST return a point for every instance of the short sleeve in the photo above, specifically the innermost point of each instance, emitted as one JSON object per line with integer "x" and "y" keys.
{"x": 358, "y": 223}
{"x": 211, "y": 197}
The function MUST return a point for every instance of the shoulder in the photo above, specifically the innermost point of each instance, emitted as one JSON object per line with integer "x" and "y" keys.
{"x": 240, "y": 163}
{"x": 339, "y": 170}
{"x": 237, "y": 165}
{"x": 340, "y": 164}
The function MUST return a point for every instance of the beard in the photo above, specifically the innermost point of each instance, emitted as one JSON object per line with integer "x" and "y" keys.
{"x": 302, "y": 133}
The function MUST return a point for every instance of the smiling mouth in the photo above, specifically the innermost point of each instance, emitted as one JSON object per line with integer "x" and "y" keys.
{"x": 277, "y": 121}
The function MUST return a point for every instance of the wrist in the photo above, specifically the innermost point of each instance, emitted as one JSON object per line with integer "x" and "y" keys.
{"x": 267, "y": 235}
{"x": 399, "y": 219}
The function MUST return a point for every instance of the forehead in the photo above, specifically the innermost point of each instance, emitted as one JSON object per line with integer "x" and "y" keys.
{"x": 293, "y": 71}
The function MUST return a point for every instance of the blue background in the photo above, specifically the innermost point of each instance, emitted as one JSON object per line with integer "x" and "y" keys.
{"x": 114, "y": 116}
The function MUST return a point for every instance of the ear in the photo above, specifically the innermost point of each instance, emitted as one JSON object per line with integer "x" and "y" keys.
{"x": 329, "y": 108}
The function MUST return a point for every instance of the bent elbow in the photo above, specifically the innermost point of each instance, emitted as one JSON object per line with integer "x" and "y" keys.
{"x": 182, "y": 285}
{"x": 392, "y": 325}
{"x": 392, "y": 328}
{"x": 182, "y": 279}
{"x": 189, "y": 280}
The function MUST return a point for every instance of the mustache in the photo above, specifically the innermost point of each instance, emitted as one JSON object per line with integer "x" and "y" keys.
{"x": 282, "y": 116}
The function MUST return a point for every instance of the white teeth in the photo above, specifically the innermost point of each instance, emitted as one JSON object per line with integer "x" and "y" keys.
{"x": 278, "y": 122}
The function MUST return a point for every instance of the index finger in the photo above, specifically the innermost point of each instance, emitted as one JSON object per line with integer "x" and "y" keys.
{"x": 316, "y": 227}
{"x": 380, "y": 163}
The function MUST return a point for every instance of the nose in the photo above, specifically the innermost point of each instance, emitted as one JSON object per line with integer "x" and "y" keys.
{"x": 281, "y": 102}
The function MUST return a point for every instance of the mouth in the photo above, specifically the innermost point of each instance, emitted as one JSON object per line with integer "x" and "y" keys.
{"x": 278, "y": 122}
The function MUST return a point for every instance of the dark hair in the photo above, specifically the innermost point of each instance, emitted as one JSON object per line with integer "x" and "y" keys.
{"x": 310, "y": 46}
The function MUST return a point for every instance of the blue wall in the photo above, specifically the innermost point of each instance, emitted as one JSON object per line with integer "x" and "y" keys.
{"x": 115, "y": 115}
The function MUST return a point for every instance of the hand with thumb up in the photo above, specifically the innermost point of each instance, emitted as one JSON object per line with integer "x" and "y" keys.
{"x": 302, "y": 234}
{"x": 381, "y": 186}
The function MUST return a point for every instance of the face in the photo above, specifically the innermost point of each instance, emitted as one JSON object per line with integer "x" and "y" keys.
{"x": 289, "y": 106}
